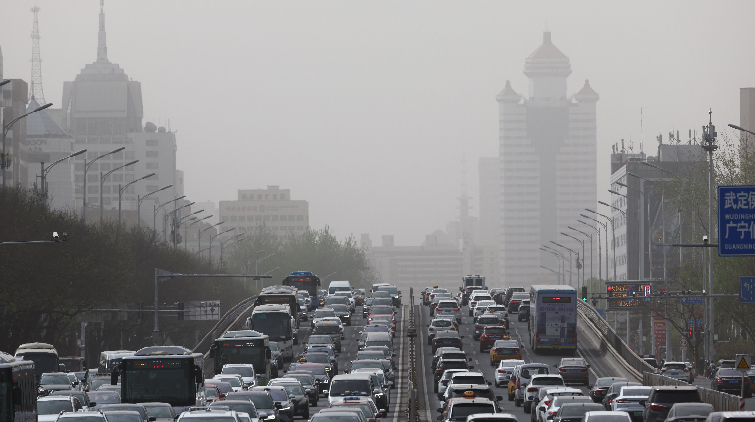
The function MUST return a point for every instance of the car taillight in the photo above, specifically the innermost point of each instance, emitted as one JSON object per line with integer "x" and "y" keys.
{"x": 583, "y": 370}
{"x": 518, "y": 384}
{"x": 457, "y": 310}
{"x": 438, "y": 371}
{"x": 623, "y": 401}
{"x": 548, "y": 403}
{"x": 506, "y": 315}
{"x": 431, "y": 329}
{"x": 597, "y": 392}
{"x": 658, "y": 407}
{"x": 478, "y": 327}
{"x": 719, "y": 380}
{"x": 747, "y": 380}
{"x": 663, "y": 370}
{"x": 537, "y": 338}
{"x": 574, "y": 339}
{"x": 531, "y": 389}
{"x": 561, "y": 368}
{"x": 685, "y": 369}
{"x": 501, "y": 371}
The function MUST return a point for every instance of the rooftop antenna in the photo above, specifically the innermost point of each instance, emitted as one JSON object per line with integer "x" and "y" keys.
{"x": 622, "y": 147}
{"x": 631, "y": 145}
{"x": 36, "y": 91}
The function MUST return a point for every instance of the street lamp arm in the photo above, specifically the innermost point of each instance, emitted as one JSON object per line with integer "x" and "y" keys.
{"x": 617, "y": 193}
{"x": 7, "y": 127}
{"x": 117, "y": 168}
{"x": 104, "y": 155}
{"x": 123, "y": 189}
{"x": 172, "y": 200}
{"x": 197, "y": 221}
{"x": 47, "y": 170}
{"x": 611, "y": 206}
{"x": 741, "y": 128}
{"x": 154, "y": 192}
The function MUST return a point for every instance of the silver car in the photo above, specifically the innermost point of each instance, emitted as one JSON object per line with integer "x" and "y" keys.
{"x": 448, "y": 307}
{"x": 504, "y": 371}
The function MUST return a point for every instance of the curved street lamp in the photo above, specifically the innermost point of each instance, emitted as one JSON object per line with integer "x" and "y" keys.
{"x": 199, "y": 247}
{"x": 4, "y": 157}
{"x": 43, "y": 177}
{"x": 188, "y": 226}
{"x": 139, "y": 203}
{"x": 86, "y": 168}
{"x": 123, "y": 189}
{"x": 157, "y": 208}
{"x": 103, "y": 178}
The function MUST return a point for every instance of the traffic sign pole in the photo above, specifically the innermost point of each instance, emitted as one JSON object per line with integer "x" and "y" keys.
{"x": 742, "y": 363}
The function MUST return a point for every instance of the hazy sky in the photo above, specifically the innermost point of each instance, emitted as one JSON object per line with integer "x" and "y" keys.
{"x": 366, "y": 109}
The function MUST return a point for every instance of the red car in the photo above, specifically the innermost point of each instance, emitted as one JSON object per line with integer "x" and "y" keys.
{"x": 212, "y": 394}
{"x": 490, "y": 335}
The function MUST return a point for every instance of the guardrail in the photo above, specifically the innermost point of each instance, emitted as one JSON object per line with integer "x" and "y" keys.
{"x": 412, "y": 414}
{"x": 223, "y": 324}
{"x": 613, "y": 339}
{"x": 722, "y": 402}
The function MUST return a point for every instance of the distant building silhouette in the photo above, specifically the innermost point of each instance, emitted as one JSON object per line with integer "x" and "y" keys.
{"x": 548, "y": 164}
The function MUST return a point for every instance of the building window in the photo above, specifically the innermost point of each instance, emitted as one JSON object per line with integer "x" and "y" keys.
{"x": 275, "y": 196}
{"x": 257, "y": 218}
{"x": 266, "y": 218}
{"x": 93, "y": 189}
{"x": 153, "y": 154}
{"x": 79, "y": 166}
{"x": 299, "y": 218}
{"x": 300, "y": 228}
{"x": 259, "y": 196}
{"x": 245, "y": 197}
{"x": 106, "y": 189}
{"x": 233, "y": 219}
{"x": 283, "y": 197}
{"x": 151, "y": 142}
{"x": 117, "y": 178}
{"x": 79, "y": 178}
{"x": 267, "y": 196}
{"x": 152, "y": 166}
{"x": 275, "y": 218}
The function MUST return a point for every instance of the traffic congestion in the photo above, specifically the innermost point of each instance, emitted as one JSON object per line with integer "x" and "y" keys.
{"x": 340, "y": 355}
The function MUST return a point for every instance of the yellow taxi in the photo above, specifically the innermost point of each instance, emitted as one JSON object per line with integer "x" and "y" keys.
{"x": 504, "y": 349}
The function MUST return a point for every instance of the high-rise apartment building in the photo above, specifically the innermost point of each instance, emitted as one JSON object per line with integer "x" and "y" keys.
{"x": 102, "y": 109}
{"x": 548, "y": 159}
{"x": 272, "y": 207}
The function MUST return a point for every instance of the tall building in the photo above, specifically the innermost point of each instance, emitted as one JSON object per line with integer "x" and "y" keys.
{"x": 13, "y": 105}
{"x": 747, "y": 115}
{"x": 272, "y": 207}
{"x": 488, "y": 170}
{"x": 547, "y": 152}
{"x": 102, "y": 109}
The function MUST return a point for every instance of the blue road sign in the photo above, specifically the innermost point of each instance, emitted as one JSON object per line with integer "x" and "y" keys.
{"x": 691, "y": 300}
{"x": 746, "y": 289}
{"x": 699, "y": 323}
{"x": 691, "y": 322}
{"x": 736, "y": 220}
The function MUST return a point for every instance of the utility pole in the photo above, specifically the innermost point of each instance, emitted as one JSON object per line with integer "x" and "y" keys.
{"x": 709, "y": 145}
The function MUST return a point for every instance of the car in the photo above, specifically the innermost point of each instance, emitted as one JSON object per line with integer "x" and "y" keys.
{"x": 344, "y": 416}
{"x": 549, "y": 400}
{"x": 501, "y": 313}
{"x": 491, "y": 417}
{"x": 448, "y": 353}
{"x": 744, "y": 416}
{"x": 372, "y": 328}
{"x": 629, "y": 399}
{"x": 510, "y": 292}
{"x": 87, "y": 416}
{"x": 54, "y": 381}
{"x": 48, "y": 408}
{"x": 237, "y": 383}
{"x": 262, "y": 400}
{"x": 574, "y": 371}
{"x": 449, "y": 307}
{"x": 482, "y": 322}
{"x": 573, "y": 412}
{"x": 460, "y": 408}
{"x": 351, "y": 385}
{"x": 322, "y": 313}
{"x": 350, "y": 296}
{"x": 470, "y": 390}
{"x": 447, "y": 339}
{"x": 131, "y": 407}
{"x": 367, "y": 406}
{"x": 524, "y": 313}
{"x": 162, "y": 412}
{"x": 212, "y": 394}
{"x": 224, "y": 387}
{"x": 505, "y": 350}
{"x": 661, "y": 398}
{"x": 380, "y": 364}
{"x": 245, "y": 371}
{"x": 343, "y": 312}
{"x": 318, "y": 370}
{"x": 436, "y": 300}
{"x": 332, "y": 329}
{"x": 98, "y": 399}
{"x": 689, "y": 412}
{"x": 84, "y": 397}
{"x": 481, "y": 307}
{"x": 296, "y": 393}
{"x": 516, "y": 299}
{"x": 491, "y": 334}
{"x": 676, "y": 370}
{"x": 381, "y": 398}
{"x": 379, "y": 339}
{"x": 385, "y": 350}
{"x": 533, "y": 387}
{"x": 613, "y": 392}
{"x": 442, "y": 384}
{"x": 604, "y": 416}
{"x": 437, "y": 325}
{"x": 523, "y": 375}
{"x": 444, "y": 364}
{"x": 730, "y": 381}
{"x": 214, "y": 415}
{"x": 467, "y": 378}
{"x": 476, "y": 297}
{"x": 505, "y": 370}
{"x": 598, "y": 390}
{"x": 366, "y": 306}
{"x": 319, "y": 354}
{"x": 123, "y": 416}
{"x": 651, "y": 361}
{"x": 308, "y": 382}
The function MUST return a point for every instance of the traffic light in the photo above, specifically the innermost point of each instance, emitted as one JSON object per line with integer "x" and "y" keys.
{"x": 180, "y": 311}
{"x": 584, "y": 293}
{"x": 691, "y": 332}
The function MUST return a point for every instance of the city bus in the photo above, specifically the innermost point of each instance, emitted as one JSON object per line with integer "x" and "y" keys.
{"x": 304, "y": 280}
{"x": 44, "y": 356}
{"x": 165, "y": 374}
{"x": 277, "y": 323}
{"x": 18, "y": 390}
{"x": 251, "y": 350}
{"x": 281, "y": 295}
{"x": 553, "y": 318}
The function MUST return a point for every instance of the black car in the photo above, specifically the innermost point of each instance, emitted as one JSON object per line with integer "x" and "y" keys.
{"x": 296, "y": 395}
{"x": 730, "y": 381}
{"x": 524, "y": 313}
{"x": 661, "y": 399}
{"x": 314, "y": 356}
{"x": 236, "y": 405}
{"x": 366, "y": 306}
{"x": 262, "y": 400}
{"x": 447, "y": 339}
{"x": 598, "y": 390}
{"x": 447, "y": 354}
{"x": 444, "y": 364}
{"x": 342, "y": 311}
{"x": 319, "y": 372}
{"x": 309, "y": 382}
{"x": 484, "y": 320}
{"x": 129, "y": 407}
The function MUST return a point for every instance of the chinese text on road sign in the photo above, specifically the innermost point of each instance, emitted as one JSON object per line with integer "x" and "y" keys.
{"x": 736, "y": 220}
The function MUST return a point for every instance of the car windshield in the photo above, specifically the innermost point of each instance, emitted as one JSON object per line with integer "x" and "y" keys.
{"x": 262, "y": 402}
{"x": 677, "y": 396}
{"x": 278, "y": 395}
{"x": 487, "y": 320}
{"x": 495, "y": 330}
{"x": 573, "y": 362}
{"x": 580, "y": 410}
{"x": 441, "y": 323}
{"x": 320, "y": 370}
{"x": 244, "y": 371}
{"x": 326, "y": 312}
{"x": 468, "y": 379}
{"x": 729, "y": 373}
{"x": 55, "y": 379}
{"x": 460, "y": 411}
{"x": 347, "y": 387}
{"x": 362, "y": 364}
{"x": 95, "y": 383}
{"x": 326, "y": 329}
{"x": 529, "y": 372}
{"x": 273, "y": 347}
{"x": 451, "y": 305}
{"x": 318, "y": 358}
{"x": 453, "y": 365}
{"x": 674, "y": 366}
{"x": 370, "y": 355}
{"x": 614, "y": 418}
{"x": 210, "y": 419}
{"x": 454, "y": 355}
{"x": 377, "y": 343}
{"x": 120, "y": 417}
{"x": 159, "y": 411}
{"x": 548, "y": 381}
{"x": 233, "y": 381}
{"x": 302, "y": 378}
{"x": 635, "y": 392}
{"x": 294, "y": 390}
{"x": 339, "y": 308}
{"x": 608, "y": 381}
{"x": 364, "y": 407}
{"x": 381, "y": 301}
{"x": 53, "y": 407}
{"x": 319, "y": 340}
{"x": 102, "y": 397}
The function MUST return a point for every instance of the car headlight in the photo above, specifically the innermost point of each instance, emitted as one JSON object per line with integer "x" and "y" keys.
{"x": 287, "y": 408}
{"x": 269, "y": 418}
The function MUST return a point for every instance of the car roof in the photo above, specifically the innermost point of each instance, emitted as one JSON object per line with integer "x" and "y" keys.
{"x": 86, "y": 414}
{"x": 356, "y": 376}
{"x": 55, "y": 398}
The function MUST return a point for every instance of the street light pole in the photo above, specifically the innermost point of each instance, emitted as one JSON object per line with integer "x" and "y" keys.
{"x": 43, "y": 176}
{"x": 4, "y": 159}
{"x": 709, "y": 145}
{"x": 581, "y": 242}
{"x": 175, "y": 221}
{"x": 589, "y": 236}
{"x": 558, "y": 265}
{"x": 188, "y": 226}
{"x": 213, "y": 237}
{"x": 562, "y": 263}
{"x": 613, "y": 231}
{"x": 570, "y": 255}
{"x": 256, "y": 266}
{"x": 86, "y": 168}
{"x": 199, "y": 247}
{"x": 232, "y": 240}
{"x": 102, "y": 182}
{"x": 157, "y": 208}
{"x": 139, "y": 204}
{"x": 123, "y": 189}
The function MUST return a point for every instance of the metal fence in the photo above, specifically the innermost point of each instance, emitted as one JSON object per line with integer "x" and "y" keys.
{"x": 224, "y": 324}
{"x": 721, "y": 402}
{"x": 613, "y": 339}
{"x": 412, "y": 414}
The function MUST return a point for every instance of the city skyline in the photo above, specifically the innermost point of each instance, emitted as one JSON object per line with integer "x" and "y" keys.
{"x": 301, "y": 86}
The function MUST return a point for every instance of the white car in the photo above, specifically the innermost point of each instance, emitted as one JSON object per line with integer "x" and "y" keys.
{"x": 676, "y": 370}
{"x": 603, "y": 416}
{"x": 445, "y": 379}
{"x": 504, "y": 371}
{"x": 545, "y": 406}
{"x": 629, "y": 399}
{"x": 481, "y": 307}
{"x": 48, "y": 408}
{"x": 213, "y": 415}
{"x": 245, "y": 370}
{"x": 350, "y": 296}
{"x": 474, "y": 298}
{"x": 449, "y": 307}
{"x": 236, "y": 381}
{"x": 336, "y": 319}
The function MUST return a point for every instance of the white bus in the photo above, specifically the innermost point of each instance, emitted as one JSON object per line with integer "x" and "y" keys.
{"x": 276, "y": 322}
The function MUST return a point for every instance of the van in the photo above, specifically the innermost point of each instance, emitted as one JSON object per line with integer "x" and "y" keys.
{"x": 339, "y": 286}
{"x": 351, "y": 385}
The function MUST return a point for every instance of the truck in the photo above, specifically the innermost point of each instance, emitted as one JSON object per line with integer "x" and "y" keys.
{"x": 469, "y": 283}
